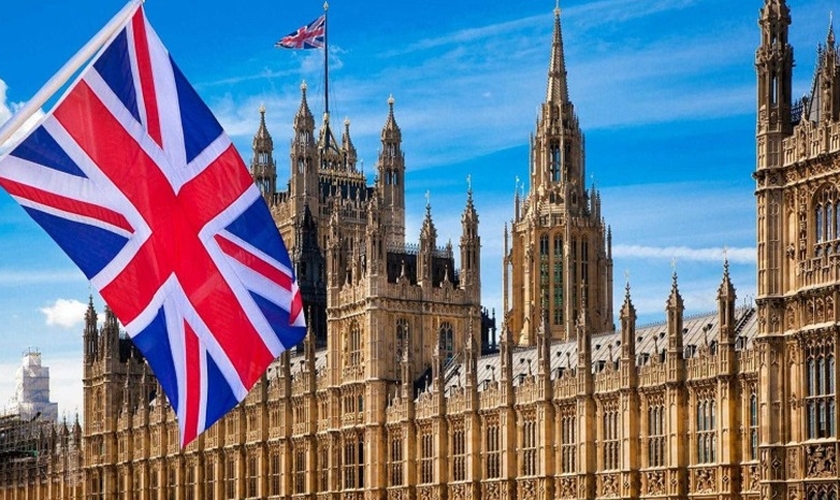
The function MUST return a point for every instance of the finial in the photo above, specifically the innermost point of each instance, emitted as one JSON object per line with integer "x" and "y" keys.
{"x": 303, "y": 86}
{"x": 674, "y": 270}
{"x": 326, "y": 6}
{"x": 391, "y": 101}
{"x": 262, "y": 110}
{"x": 830, "y": 38}
{"x": 469, "y": 183}
{"x": 557, "y": 8}
{"x": 626, "y": 283}
{"x": 346, "y": 122}
{"x": 428, "y": 200}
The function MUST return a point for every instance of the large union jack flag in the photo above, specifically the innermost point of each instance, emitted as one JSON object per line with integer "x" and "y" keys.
{"x": 310, "y": 36}
{"x": 136, "y": 181}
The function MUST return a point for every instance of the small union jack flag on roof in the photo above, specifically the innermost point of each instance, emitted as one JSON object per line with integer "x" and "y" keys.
{"x": 137, "y": 182}
{"x": 310, "y": 36}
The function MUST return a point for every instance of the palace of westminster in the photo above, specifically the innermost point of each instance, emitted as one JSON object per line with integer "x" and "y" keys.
{"x": 401, "y": 390}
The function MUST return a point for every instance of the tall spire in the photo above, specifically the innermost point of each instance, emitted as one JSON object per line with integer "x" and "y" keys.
{"x": 558, "y": 90}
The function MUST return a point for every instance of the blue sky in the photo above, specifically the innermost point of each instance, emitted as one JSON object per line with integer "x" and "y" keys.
{"x": 664, "y": 90}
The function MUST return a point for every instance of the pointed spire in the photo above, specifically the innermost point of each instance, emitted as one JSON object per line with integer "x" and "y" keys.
{"x": 304, "y": 118}
{"x": 726, "y": 288}
{"x": 829, "y": 39}
{"x": 558, "y": 91}
{"x": 391, "y": 131}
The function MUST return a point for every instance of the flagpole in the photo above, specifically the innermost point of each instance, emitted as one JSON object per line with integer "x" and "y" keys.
{"x": 66, "y": 72}
{"x": 327, "y": 72}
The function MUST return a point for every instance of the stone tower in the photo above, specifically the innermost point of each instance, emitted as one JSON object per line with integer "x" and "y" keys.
{"x": 797, "y": 200}
{"x": 263, "y": 169}
{"x": 391, "y": 172}
{"x": 559, "y": 239}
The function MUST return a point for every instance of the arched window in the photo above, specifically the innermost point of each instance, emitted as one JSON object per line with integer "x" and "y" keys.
{"x": 558, "y": 279}
{"x": 753, "y": 425}
{"x": 706, "y": 431}
{"x": 402, "y": 337}
{"x": 820, "y": 400}
{"x": 354, "y": 345}
{"x": 447, "y": 342}
{"x": 656, "y": 435}
{"x": 826, "y": 213}
{"x": 556, "y": 164}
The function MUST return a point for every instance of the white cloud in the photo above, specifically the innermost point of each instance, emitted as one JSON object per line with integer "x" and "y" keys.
{"x": 8, "y": 109}
{"x": 683, "y": 253}
{"x": 65, "y": 313}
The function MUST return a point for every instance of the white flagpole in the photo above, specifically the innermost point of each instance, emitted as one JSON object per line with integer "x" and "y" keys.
{"x": 67, "y": 71}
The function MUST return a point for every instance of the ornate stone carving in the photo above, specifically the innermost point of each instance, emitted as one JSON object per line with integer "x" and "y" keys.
{"x": 609, "y": 485}
{"x": 527, "y": 489}
{"x": 655, "y": 483}
{"x": 568, "y": 487}
{"x": 705, "y": 481}
{"x": 822, "y": 461}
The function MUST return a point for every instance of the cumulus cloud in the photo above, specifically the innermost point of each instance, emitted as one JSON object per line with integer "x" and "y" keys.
{"x": 7, "y": 109}
{"x": 65, "y": 313}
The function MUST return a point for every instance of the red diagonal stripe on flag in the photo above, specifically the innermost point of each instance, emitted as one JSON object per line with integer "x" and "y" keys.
{"x": 147, "y": 79}
{"x": 66, "y": 204}
{"x": 192, "y": 384}
{"x": 257, "y": 264}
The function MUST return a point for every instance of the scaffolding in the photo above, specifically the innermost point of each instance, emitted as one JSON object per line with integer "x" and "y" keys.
{"x": 26, "y": 447}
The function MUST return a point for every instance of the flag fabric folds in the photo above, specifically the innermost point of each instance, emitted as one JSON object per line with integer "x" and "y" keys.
{"x": 310, "y": 36}
{"x": 135, "y": 179}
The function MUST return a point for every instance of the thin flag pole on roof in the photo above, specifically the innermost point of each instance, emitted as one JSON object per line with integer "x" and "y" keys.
{"x": 67, "y": 71}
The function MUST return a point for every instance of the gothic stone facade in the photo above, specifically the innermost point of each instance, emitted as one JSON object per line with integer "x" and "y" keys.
{"x": 396, "y": 394}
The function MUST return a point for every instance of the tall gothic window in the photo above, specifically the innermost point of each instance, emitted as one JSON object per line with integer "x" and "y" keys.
{"x": 459, "y": 453}
{"x": 556, "y": 163}
{"x": 826, "y": 220}
{"x": 529, "y": 447}
{"x": 396, "y": 458}
{"x": 573, "y": 263}
{"x": 544, "y": 272}
{"x": 354, "y": 460}
{"x": 354, "y": 345}
{"x": 492, "y": 453}
{"x": 427, "y": 454}
{"x": 323, "y": 468}
{"x": 656, "y": 434}
{"x": 706, "y": 429}
{"x": 189, "y": 486}
{"x": 568, "y": 444}
{"x": 611, "y": 443}
{"x": 447, "y": 342}
{"x": 584, "y": 268}
{"x": 753, "y": 424}
{"x": 274, "y": 473}
{"x": 402, "y": 336}
{"x": 300, "y": 471}
{"x": 820, "y": 401}
{"x": 209, "y": 478}
{"x": 230, "y": 478}
{"x": 558, "y": 279}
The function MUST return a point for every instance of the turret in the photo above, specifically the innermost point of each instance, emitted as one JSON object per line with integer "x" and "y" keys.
{"x": 390, "y": 170}
{"x": 302, "y": 154}
{"x": 347, "y": 147}
{"x": 263, "y": 169}
{"x": 584, "y": 347}
{"x": 628, "y": 340}
{"x": 774, "y": 68}
{"x": 428, "y": 245}
{"x": 726, "y": 307}
{"x": 470, "y": 249}
{"x": 91, "y": 333}
{"x": 674, "y": 308}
